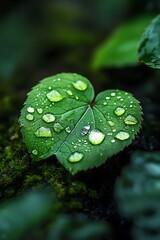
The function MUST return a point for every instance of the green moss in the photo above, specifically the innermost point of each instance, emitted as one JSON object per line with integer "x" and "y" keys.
{"x": 19, "y": 173}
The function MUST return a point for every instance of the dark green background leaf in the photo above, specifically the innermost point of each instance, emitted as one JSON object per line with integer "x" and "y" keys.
{"x": 120, "y": 49}
{"x": 149, "y": 48}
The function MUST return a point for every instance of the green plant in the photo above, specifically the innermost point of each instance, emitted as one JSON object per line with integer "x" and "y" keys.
{"x": 62, "y": 117}
{"x": 149, "y": 47}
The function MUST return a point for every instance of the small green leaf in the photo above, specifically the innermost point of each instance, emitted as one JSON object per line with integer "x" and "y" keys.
{"x": 149, "y": 48}
{"x": 120, "y": 48}
{"x": 60, "y": 117}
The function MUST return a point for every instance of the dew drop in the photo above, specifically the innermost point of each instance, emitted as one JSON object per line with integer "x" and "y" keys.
{"x": 35, "y": 152}
{"x": 130, "y": 120}
{"x": 75, "y": 157}
{"x": 39, "y": 110}
{"x": 107, "y": 98}
{"x": 111, "y": 123}
{"x": 119, "y": 111}
{"x": 113, "y": 141}
{"x": 43, "y": 132}
{"x": 30, "y": 109}
{"x": 96, "y": 137}
{"x": 122, "y": 135}
{"x": 113, "y": 94}
{"x": 85, "y": 130}
{"x": 29, "y": 117}
{"x": 69, "y": 92}
{"x": 68, "y": 130}
{"x": 80, "y": 85}
{"x": 54, "y": 96}
{"x": 48, "y": 117}
{"x": 57, "y": 127}
{"x": 104, "y": 103}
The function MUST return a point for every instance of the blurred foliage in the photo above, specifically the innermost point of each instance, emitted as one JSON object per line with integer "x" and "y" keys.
{"x": 137, "y": 193}
{"x": 149, "y": 48}
{"x": 78, "y": 227}
{"x": 120, "y": 48}
{"x": 24, "y": 214}
{"x": 23, "y": 218}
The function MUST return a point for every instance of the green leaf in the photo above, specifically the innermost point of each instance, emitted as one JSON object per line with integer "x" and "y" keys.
{"x": 120, "y": 48}
{"x": 24, "y": 214}
{"x": 61, "y": 118}
{"x": 149, "y": 48}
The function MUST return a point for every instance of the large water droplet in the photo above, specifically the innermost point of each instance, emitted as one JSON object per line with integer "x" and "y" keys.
{"x": 69, "y": 92}
{"x": 57, "y": 127}
{"x": 35, "y": 152}
{"x": 54, "y": 96}
{"x": 80, "y": 85}
{"x": 113, "y": 94}
{"x": 85, "y": 130}
{"x": 48, "y": 117}
{"x": 119, "y": 111}
{"x": 75, "y": 157}
{"x": 130, "y": 120}
{"x": 30, "y": 109}
{"x": 122, "y": 135}
{"x": 96, "y": 137}
{"x": 39, "y": 110}
{"x": 111, "y": 123}
{"x": 29, "y": 117}
{"x": 43, "y": 132}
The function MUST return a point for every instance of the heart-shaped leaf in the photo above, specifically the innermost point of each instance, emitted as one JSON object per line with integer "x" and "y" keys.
{"x": 61, "y": 118}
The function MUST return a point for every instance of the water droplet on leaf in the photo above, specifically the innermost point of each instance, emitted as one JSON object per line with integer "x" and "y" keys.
{"x": 113, "y": 94}
{"x": 119, "y": 111}
{"x": 68, "y": 130}
{"x": 96, "y": 137}
{"x": 85, "y": 130}
{"x": 43, "y": 132}
{"x": 130, "y": 120}
{"x": 80, "y": 85}
{"x": 75, "y": 157}
{"x": 39, "y": 110}
{"x": 35, "y": 152}
{"x": 48, "y": 117}
{"x": 29, "y": 117}
{"x": 30, "y": 109}
{"x": 69, "y": 92}
{"x": 122, "y": 135}
{"x": 54, "y": 96}
{"x": 111, "y": 123}
{"x": 57, "y": 127}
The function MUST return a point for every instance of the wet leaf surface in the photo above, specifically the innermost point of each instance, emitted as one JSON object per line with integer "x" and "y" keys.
{"x": 60, "y": 117}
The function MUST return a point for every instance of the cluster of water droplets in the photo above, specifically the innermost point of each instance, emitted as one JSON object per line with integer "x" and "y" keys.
{"x": 91, "y": 136}
{"x": 120, "y": 111}
{"x": 53, "y": 96}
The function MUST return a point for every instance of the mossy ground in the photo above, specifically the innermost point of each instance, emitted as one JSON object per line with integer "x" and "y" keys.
{"x": 19, "y": 174}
